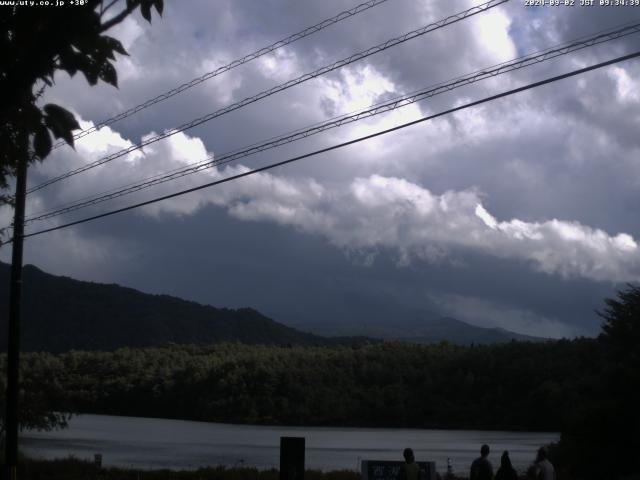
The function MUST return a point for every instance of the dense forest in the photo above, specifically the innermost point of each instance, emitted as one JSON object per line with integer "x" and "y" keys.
{"x": 512, "y": 386}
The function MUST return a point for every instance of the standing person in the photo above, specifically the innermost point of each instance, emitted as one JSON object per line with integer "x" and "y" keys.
{"x": 506, "y": 470}
{"x": 542, "y": 468}
{"x": 409, "y": 470}
{"x": 481, "y": 468}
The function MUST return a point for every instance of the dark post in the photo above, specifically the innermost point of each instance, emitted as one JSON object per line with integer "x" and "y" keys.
{"x": 15, "y": 299}
{"x": 291, "y": 458}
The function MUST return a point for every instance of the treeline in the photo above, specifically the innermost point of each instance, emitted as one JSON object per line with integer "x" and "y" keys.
{"x": 529, "y": 386}
{"x": 76, "y": 469}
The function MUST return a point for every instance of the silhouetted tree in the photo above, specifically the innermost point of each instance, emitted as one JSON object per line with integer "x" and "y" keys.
{"x": 37, "y": 41}
{"x": 40, "y": 390}
{"x": 602, "y": 439}
{"x": 621, "y": 378}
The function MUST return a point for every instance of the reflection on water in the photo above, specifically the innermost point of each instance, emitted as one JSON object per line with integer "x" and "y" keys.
{"x": 147, "y": 443}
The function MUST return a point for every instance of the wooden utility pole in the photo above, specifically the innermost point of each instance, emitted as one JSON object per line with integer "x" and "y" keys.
{"x": 15, "y": 301}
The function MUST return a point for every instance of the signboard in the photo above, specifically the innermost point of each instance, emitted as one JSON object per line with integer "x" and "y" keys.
{"x": 388, "y": 470}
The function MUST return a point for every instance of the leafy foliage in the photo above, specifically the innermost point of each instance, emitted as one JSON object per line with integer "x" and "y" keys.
{"x": 39, "y": 391}
{"x": 602, "y": 436}
{"x": 35, "y": 43}
{"x": 510, "y": 386}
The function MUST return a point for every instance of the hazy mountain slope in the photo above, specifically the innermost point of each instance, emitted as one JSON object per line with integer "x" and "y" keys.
{"x": 428, "y": 329}
{"x": 61, "y": 314}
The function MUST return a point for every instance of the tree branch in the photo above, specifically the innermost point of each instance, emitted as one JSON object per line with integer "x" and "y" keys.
{"x": 119, "y": 18}
{"x": 104, "y": 10}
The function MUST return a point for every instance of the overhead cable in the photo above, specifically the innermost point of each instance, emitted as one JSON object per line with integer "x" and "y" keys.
{"x": 340, "y": 145}
{"x": 225, "y": 68}
{"x": 212, "y": 161}
{"x": 303, "y": 78}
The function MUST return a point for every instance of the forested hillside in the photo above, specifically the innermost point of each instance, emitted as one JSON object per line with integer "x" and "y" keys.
{"x": 531, "y": 386}
{"x": 61, "y": 314}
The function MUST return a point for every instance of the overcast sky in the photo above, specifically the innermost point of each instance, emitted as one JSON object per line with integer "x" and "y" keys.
{"x": 521, "y": 213}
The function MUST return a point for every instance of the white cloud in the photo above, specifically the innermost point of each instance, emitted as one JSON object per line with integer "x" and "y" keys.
{"x": 366, "y": 213}
{"x": 221, "y": 87}
{"x": 356, "y": 88}
{"x": 392, "y": 213}
{"x": 280, "y": 65}
{"x": 627, "y": 88}
{"x": 492, "y": 31}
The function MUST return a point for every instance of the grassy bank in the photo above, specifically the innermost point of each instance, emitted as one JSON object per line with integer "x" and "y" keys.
{"x": 75, "y": 469}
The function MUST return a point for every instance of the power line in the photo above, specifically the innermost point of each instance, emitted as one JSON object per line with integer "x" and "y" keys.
{"x": 502, "y": 68}
{"x": 303, "y": 78}
{"x": 235, "y": 63}
{"x": 340, "y": 145}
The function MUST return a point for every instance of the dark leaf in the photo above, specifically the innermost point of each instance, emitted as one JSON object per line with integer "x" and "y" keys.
{"x": 67, "y": 136}
{"x": 61, "y": 122}
{"x": 70, "y": 70}
{"x": 83, "y": 44}
{"x": 62, "y": 116}
{"x": 42, "y": 142}
{"x": 69, "y": 61}
{"x": 56, "y": 129}
{"x": 159, "y": 6}
{"x": 145, "y": 9}
{"x": 101, "y": 51}
{"x": 32, "y": 115}
{"x": 108, "y": 74}
{"x": 114, "y": 45}
{"x": 91, "y": 73}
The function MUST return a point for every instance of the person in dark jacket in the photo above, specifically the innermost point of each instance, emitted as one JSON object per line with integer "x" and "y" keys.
{"x": 481, "y": 468}
{"x": 409, "y": 470}
{"x": 506, "y": 470}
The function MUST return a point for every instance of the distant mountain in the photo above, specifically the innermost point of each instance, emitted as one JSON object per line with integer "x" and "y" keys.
{"x": 61, "y": 314}
{"x": 428, "y": 329}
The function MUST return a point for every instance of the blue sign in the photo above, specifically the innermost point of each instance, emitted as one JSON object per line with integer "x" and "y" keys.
{"x": 389, "y": 470}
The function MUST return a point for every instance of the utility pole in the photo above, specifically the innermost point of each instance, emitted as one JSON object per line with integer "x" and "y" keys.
{"x": 15, "y": 300}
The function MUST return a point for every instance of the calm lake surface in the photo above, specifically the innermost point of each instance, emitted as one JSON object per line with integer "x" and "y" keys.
{"x": 148, "y": 443}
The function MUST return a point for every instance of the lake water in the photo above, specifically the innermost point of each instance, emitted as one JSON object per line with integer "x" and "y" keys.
{"x": 148, "y": 443}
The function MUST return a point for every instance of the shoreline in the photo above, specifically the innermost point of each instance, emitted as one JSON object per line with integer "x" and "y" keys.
{"x": 321, "y": 426}
{"x": 72, "y": 468}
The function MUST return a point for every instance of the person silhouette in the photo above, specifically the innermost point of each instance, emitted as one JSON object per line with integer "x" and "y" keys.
{"x": 481, "y": 468}
{"x": 506, "y": 470}
{"x": 542, "y": 468}
{"x": 409, "y": 470}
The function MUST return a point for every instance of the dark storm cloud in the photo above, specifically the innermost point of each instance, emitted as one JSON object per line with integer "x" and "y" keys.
{"x": 559, "y": 160}
{"x": 268, "y": 267}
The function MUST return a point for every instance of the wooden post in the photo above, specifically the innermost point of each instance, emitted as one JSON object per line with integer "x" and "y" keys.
{"x": 292, "y": 458}
{"x": 15, "y": 301}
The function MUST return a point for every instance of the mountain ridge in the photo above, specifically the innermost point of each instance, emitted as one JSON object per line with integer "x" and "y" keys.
{"x": 62, "y": 314}
{"x": 430, "y": 329}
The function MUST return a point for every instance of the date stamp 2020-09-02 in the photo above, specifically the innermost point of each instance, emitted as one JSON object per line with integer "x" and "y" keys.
{"x": 581, "y": 3}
